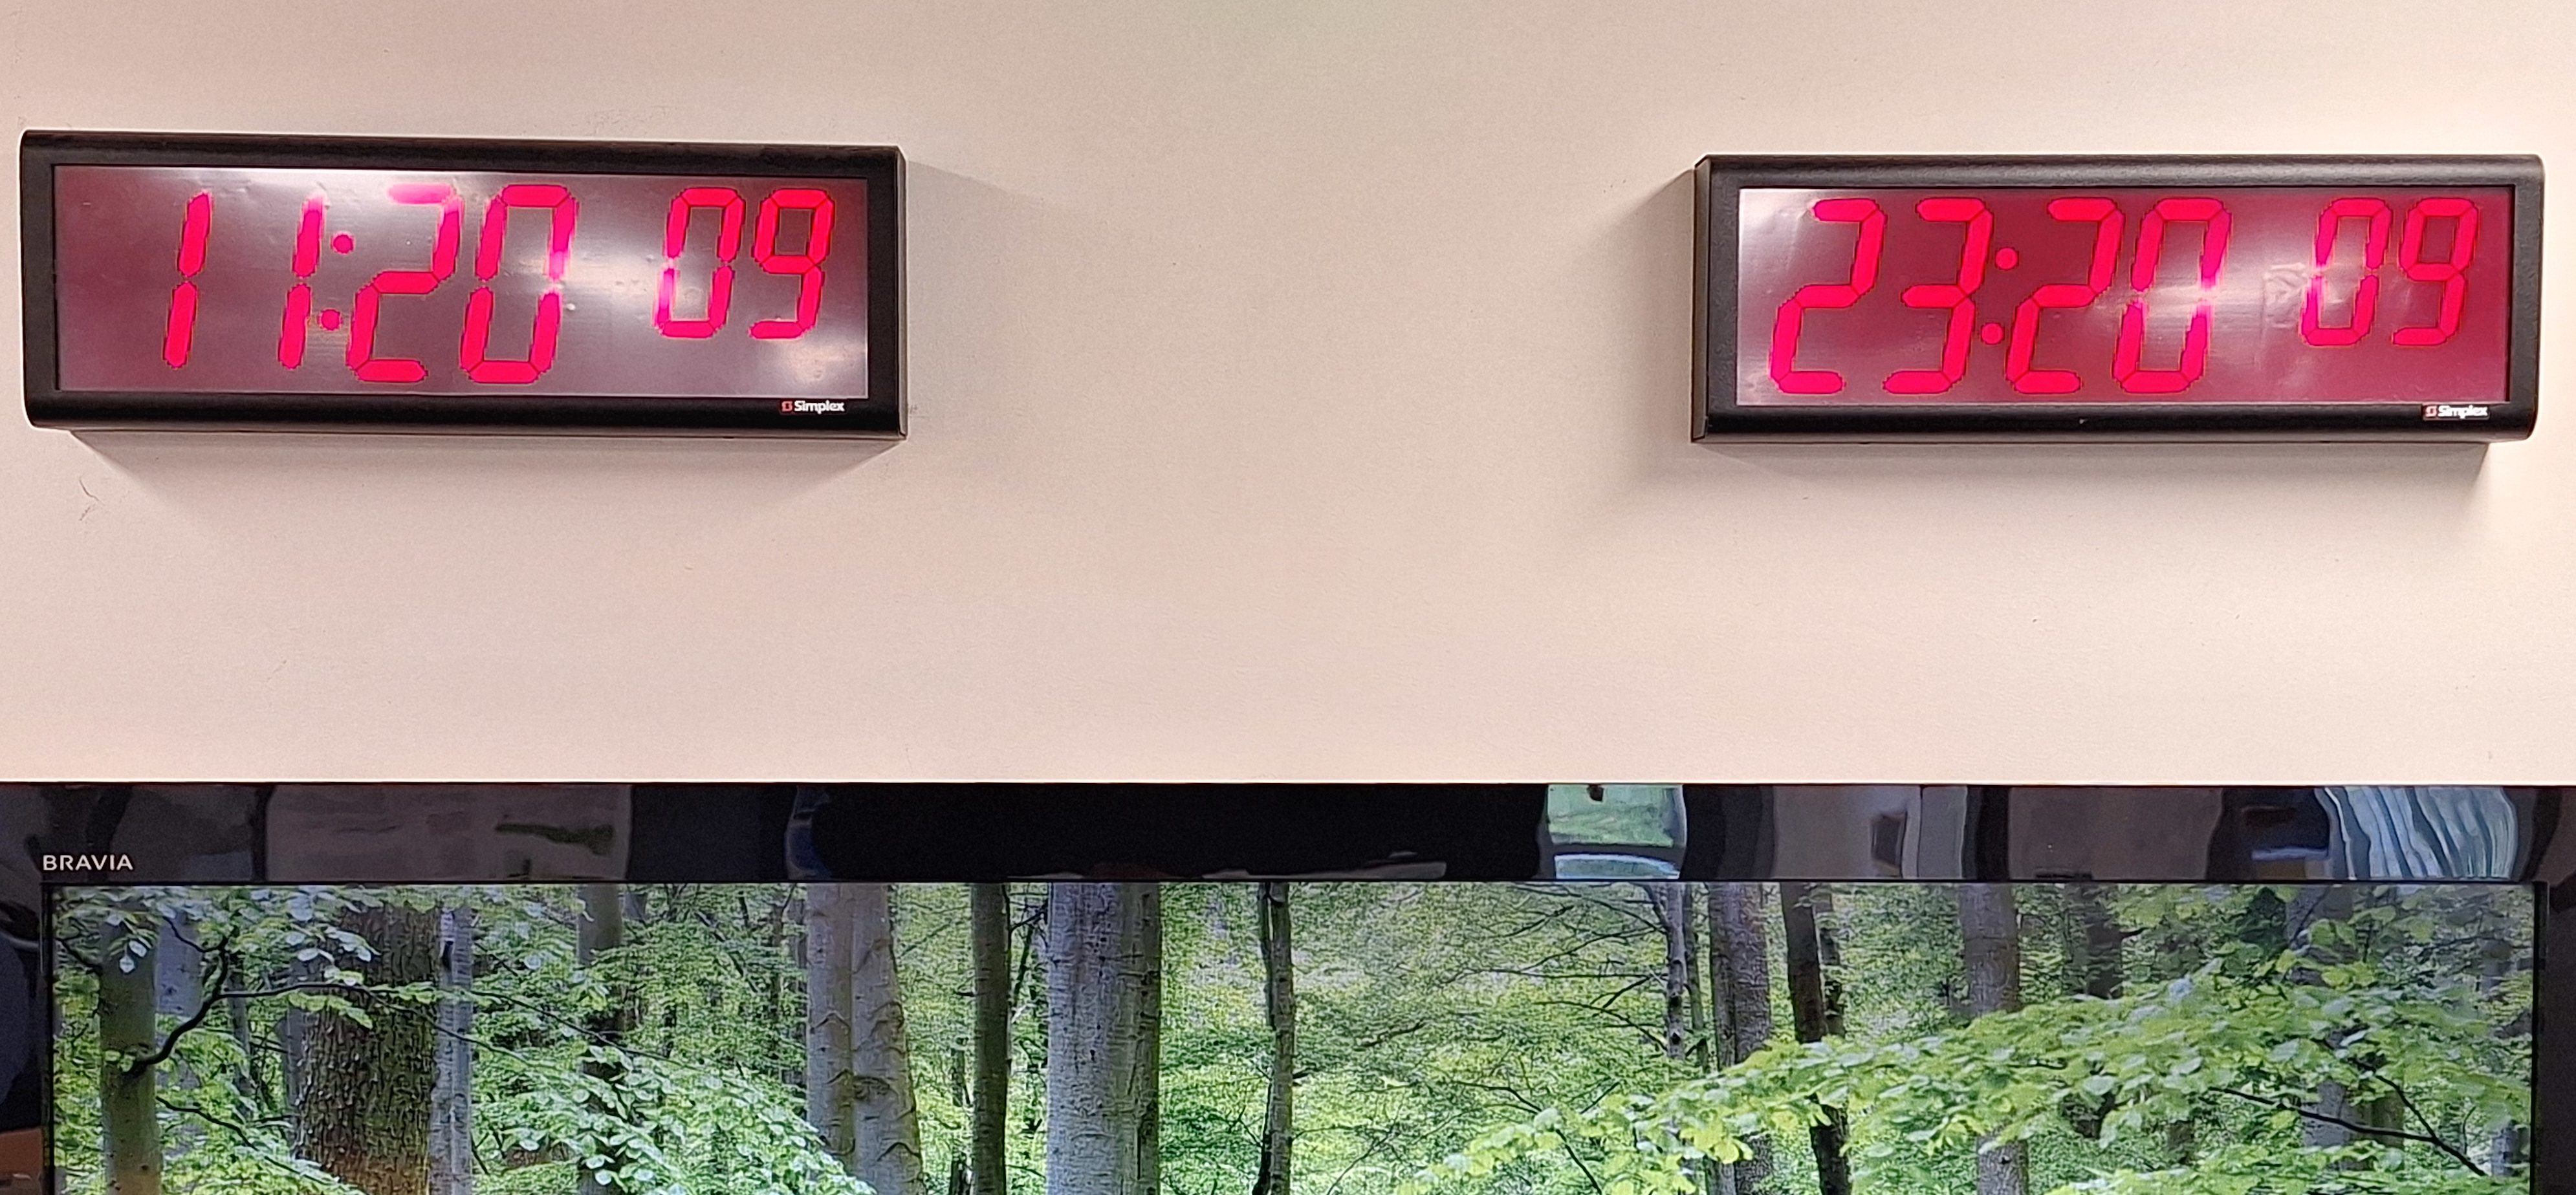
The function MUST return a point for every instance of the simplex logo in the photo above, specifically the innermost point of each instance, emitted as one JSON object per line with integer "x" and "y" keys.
{"x": 2445, "y": 410}
{"x": 808, "y": 406}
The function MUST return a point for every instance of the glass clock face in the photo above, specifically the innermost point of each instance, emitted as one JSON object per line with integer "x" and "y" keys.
{"x": 2027, "y": 295}
{"x": 193, "y": 280}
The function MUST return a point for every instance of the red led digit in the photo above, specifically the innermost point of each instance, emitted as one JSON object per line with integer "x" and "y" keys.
{"x": 442, "y": 262}
{"x": 180, "y": 333}
{"x": 2365, "y": 296}
{"x": 2212, "y": 216}
{"x": 675, "y": 239}
{"x": 818, "y": 245}
{"x": 1827, "y": 296}
{"x": 299, "y": 297}
{"x": 1957, "y": 297}
{"x": 2455, "y": 287}
{"x": 470, "y": 352}
{"x": 2104, "y": 215}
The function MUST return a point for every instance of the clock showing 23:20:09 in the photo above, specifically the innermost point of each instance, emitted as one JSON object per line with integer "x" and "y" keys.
{"x": 2306, "y": 296}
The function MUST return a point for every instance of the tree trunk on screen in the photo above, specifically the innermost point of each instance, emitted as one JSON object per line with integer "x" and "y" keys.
{"x": 1815, "y": 1001}
{"x": 2093, "y": 945}
{"x": 887, "y": 1131}
{"x": 1145, "y": 1069}
{"x": 1672, "y": 904}
{"x": 1103, "y": 977}
{"x": 603, "y": 929}
{"x": 2327, "y": 902}
{"x": 989, "y": 911}
{"x": 179, "y": 987}
{"x": 800, "y": 950}
{"x": 2373, "y": 1105}
{"x": 294, "y": 1043}
{"x": 831, "y": 1079}
{"x": 2317, "y": 1130}
{"x": 1028, "y": 998}
{"x": 180, "y": 968}
{"x": 1990, "y": 939}
{"x": 252, "y": 1074}
{"x": 772, "y": 920}
{"x": 1685, "y": 1031}
{"x": 365, "y": 1111}
{"x": 2505, "y": 1144}
{"x": 1279, "y": 999}
{"x": 1739, "y": 978}
{"x": 1703, "y": 1052}
{"x": 961, "y": 1094}
{"x": 451, "y": 1133}
{"x": 129, "y": 1094}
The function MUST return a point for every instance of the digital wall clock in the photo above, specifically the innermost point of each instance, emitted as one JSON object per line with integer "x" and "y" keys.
{"x": 2075, "y": 297}
{"x": 295, "y": 282}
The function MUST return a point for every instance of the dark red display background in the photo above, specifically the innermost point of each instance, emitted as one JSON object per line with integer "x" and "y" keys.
{"x": 2257, "y": 352}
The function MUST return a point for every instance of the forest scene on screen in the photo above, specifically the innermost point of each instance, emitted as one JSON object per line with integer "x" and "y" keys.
{"x": 1571, "y": 1038}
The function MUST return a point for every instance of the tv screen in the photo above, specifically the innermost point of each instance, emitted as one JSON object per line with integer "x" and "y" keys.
{"x": 1755, "y": 990}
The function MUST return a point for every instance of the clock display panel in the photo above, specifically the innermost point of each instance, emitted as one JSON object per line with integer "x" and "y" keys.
{"x": 307, "y": 281}
{"x": 2081, "y": 297}
{"x": 2214, "y": 294}
{"x": 219, "y": 281}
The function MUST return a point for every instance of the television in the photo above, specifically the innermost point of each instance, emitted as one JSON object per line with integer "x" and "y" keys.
{"x": 1334, "y": 989}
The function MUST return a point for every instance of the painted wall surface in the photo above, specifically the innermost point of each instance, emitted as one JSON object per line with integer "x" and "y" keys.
{"x": 1299, "y": 390}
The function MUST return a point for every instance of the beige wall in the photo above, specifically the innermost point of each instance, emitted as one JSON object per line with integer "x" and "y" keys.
{"x": 1299, "y": 389}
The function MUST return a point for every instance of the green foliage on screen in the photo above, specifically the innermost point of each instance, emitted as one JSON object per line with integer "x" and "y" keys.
{"x": 1452, "y": 1039}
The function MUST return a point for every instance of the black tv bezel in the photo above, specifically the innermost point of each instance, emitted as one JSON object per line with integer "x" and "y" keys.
{"x": 1718, "y": 416}
{"x": 879, "y": 416}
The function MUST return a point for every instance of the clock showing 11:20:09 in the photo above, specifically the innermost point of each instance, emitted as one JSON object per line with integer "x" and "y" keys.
{"x": 255, "y": 280}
